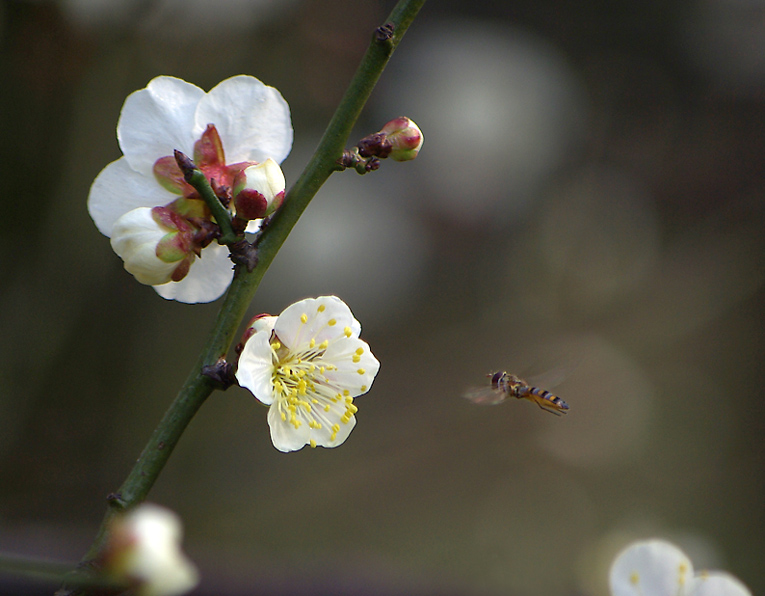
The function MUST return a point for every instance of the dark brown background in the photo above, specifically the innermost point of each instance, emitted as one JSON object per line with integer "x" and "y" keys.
{"x": 590, "y": 195}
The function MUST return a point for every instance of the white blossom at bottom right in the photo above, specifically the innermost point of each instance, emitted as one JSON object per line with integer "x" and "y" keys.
{"x": 659, "y": 568}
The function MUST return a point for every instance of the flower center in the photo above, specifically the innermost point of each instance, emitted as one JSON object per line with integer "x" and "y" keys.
{"x": 304, "y": 393}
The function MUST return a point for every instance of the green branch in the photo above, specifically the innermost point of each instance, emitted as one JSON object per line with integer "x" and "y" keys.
{"x": 198, "y": 180}
{"x": 46, "y": 570}
{"x": 197, "y": 387}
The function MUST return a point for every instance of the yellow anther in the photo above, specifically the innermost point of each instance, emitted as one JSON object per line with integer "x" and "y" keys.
{"x": 363, "y": 388}
{"x": 361, "y": 371}
{"x": 324, "y": 344}
{"x": 348, "y": 332}
{"x": 321, "y": 370}
{"x": 304, "y": 318}
{"x": 356, "y": 358}
{"x": 352, "y": 409}
{"x": 327, "y": 408}
{"x": 345, "y": 418}
{"x": 284, "y": 417}
{"x": 311, "y": 367}
{"x": 332, "y": 322}
{"x": 346, "y": 393}
{"x": 312, "y": 343}
{"x": 360, "y": 351}
{"x": 276, "y": 345}
{"x": 336, "y": 428}
{"x": 314, "y": 401}
{"x": 682, "y": 570}
{"x": 313, "y": 444}
{"x": 634, "y": 578}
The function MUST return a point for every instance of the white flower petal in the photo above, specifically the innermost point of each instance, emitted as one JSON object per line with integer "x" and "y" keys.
{"x": 286, "y": 437}
{"x": 652, "y": 567}
{"x": 717, "y": 584}
{"x": 356, "y": 366}
{"x": 134, "y": 238}
{"x": 207, "y": 280}
{"x": 156, "y": 120}
{"x": 253, "y": 120}
{"x": 119, "y": 189}
{"x": 255, "y": 365}
{"x": 326, "y": 318}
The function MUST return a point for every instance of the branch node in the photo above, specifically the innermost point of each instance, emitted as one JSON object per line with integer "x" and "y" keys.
{"x": 221, "y": 373}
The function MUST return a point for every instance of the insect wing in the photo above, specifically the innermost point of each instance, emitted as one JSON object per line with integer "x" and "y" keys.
{"x": 486, "y": 396}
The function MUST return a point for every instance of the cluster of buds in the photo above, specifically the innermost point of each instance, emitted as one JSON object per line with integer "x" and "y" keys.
{"x": 158, "y": 245}
{"x": 400, "y": 139}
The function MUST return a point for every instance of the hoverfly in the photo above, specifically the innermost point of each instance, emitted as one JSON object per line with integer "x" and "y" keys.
{"x": 504, "y": 385}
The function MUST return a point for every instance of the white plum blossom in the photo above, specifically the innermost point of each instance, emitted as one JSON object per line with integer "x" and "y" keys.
{"x": 308, "y": 364}
{"x": 659, "y": 568}
{"x": 143, "y": 550}
{"x": 239, "y": 123}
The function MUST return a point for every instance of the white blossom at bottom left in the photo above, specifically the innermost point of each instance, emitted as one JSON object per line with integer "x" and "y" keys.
{"x": 144, "y": 551}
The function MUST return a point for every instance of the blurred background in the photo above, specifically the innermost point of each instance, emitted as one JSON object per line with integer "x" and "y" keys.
{"x": 590, "y": 195}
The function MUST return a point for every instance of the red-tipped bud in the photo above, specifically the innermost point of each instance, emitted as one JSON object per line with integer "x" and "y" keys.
{"x": 405, "y": 137}
{"x": 259, "y": 190}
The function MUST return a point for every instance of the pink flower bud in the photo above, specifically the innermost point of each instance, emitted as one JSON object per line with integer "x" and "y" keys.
{"x": 405, "y": 137}
{"x": 259, "y": 190}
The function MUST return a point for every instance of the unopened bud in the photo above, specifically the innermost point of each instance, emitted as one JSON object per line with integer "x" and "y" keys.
{"x": 259, "y": 190}
{"x": 262, "y": 323}
{"x": 405, "y": 137}
{"x": 155, "y": 244}
{"x": 144, "y": 551}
